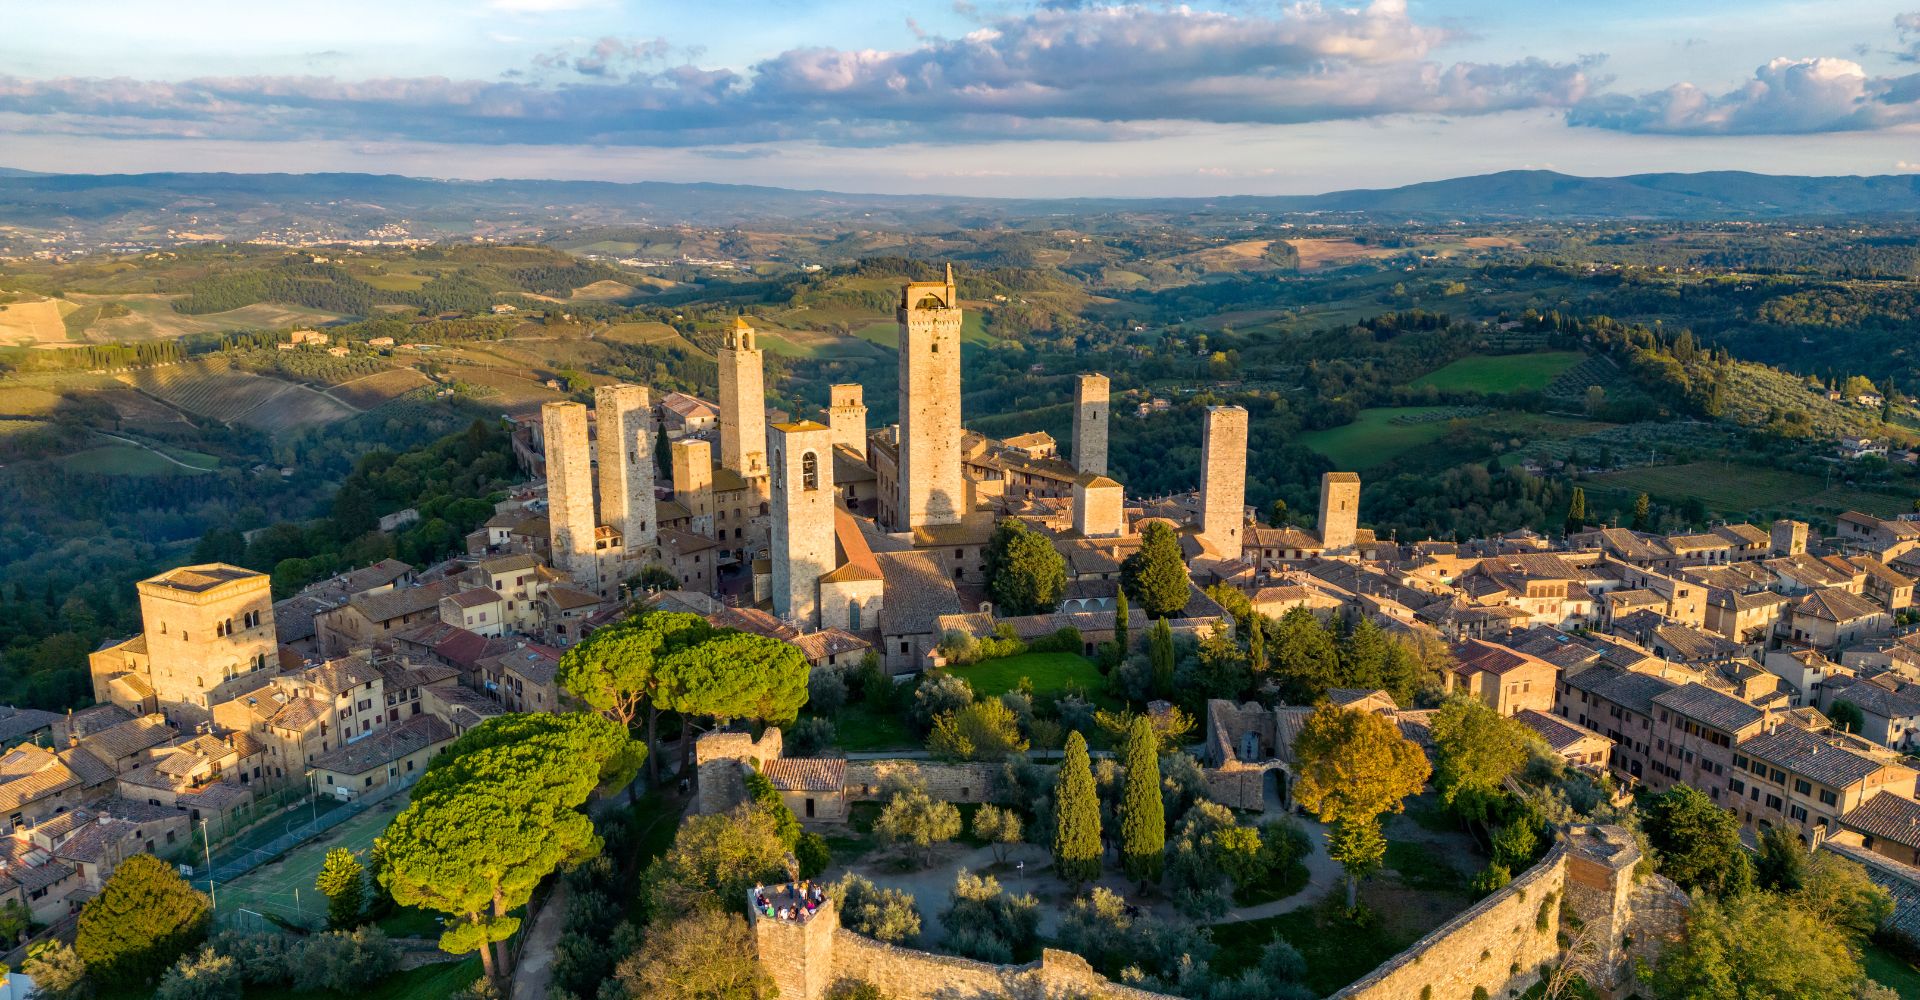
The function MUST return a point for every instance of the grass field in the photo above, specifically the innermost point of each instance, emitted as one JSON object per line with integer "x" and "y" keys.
{"x": 128, "y": 460}
{"x": 857, "y": 727}
{"x": 428, "y": 982}
{"x": 1373, "y": 439}
{"x": 1892, "y": 971}
{"x": 1050, "y": 673}
{"x": 1741, "y": 489}
{"x": 1500, "y": 373}
{"x": 270, "y": 887}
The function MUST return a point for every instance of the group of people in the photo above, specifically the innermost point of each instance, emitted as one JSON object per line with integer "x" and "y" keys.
{"x": 792, "y": 901}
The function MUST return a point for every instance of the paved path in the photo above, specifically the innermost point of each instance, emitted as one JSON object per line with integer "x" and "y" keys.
{"x": 535, "y": 971}
{"x": 1323, "y": 875}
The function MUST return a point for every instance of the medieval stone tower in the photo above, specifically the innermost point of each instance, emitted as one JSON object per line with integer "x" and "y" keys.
{"x": 693, "y": 482}
{"x": 625, "y": 447}
{"x": 802, "y": 519}
{"x": 1789, "y": 538}
{"x": 1339, "y": 511}
{"x": 931, "y": 489}
{"x": 206, "y": 628}
{"x": 847, "y": 415}
{"x": 570, "y": 492}
{"x": 743, "y": 403}
{"x": 1090, "y": 412}
{"x": 1098, "y": 506}
{"x": 1223, "y": 479}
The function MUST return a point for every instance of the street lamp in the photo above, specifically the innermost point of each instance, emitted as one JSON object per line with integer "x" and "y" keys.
{"x": 213, "y": 895}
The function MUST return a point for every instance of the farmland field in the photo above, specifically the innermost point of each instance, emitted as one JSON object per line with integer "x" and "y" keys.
{"x": 1500, "y": 373}
{"x": 1741, "y": 489}
{"x": 150, "y": 316}
{"x": 127, "y": 460}
{"x": 215, "y": 391}
{"x": 42, "y": 322}
{"x": 372, "y": 390}
{"x": 1379, "y": 435}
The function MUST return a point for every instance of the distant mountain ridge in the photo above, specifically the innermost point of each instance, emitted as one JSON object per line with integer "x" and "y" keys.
{"x": 31, "y": 199}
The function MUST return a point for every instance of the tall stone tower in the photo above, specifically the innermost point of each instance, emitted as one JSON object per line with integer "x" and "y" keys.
{"x": 1339, "y": 511}
{"x": 1223, "y": 479}
{"x": 1090, "y": 412}
{"x": 208, "y": 628}
{"x": 847, "y": 414}
{"x": 1789, "y": 537}
{"x": 693, "y": 482}
{"x": 802, "y": 519}
{"x": 626, "y": 464}
{"x": 1099, "y": 506}
{"x": 931, "y": 489}
{"x": 570, "y": 492}
{"x": 743, "y": 403}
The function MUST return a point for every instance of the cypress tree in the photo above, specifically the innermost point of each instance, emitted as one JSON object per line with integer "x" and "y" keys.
{"x": 1160, "y": 653}
{"x": 1257, "y": 643}
{"x": 1577, "y": 511}
{"x": 1122, "y": 639}
{"x": 1642, "y": 512}
{"x": 1143, "y": 817}
{"x": 1076, "y": 835}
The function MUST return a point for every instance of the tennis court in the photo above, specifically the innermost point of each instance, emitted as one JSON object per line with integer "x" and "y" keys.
{"x": 271, "y": 888}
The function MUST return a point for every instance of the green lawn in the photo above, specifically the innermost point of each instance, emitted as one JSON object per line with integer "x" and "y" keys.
{"x": 857, "y": 727}
{"x": 125, "y": 460}
{"x": 1051, "y": 673}
{"x": 1338, "y": 951}
{"x": 1374, "y": 438}
{"x": 1892, "y": 971}
{"x": 1500, "y": 373}
{"x": 428, "y": 982}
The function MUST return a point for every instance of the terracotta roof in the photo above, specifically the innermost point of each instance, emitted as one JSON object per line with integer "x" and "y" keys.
{"x": 1887, "y": 817}
{"x": 1480, "y": 656}
{"x": 1827, "y": 760}
{"x": 90, "y": 770}
{"x": 917, "y": 592}
{"x": 817, "y": 646}
{"x": 855, "y": 555}
{"x": 475, "y": 598}
{"x": 385, "y": 746}
{"x": 199, "y": 579}
{"x": 1836, "y": 606}
{"x": 379, "y": 574}
{"x": 1628, "y": 689}
{"x": 807, "y": 774}
{"x": 1703, "y": 704}
{"x": 1559, "y": 733}
{"x": 29, "y": 773}
{"x": 131, "y": 737}
{"x": 17, "y": 724}
{"x": 400, "y": 603}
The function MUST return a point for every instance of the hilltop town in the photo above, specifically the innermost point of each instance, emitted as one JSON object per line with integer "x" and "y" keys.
{"x": 914, "y": 620}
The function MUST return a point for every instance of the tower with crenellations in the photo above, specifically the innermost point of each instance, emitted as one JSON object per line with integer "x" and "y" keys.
{"x": 570, "y": 492}
{"x": 1090, "y": 413}
{"x": 743, "y": 402}
{"x": 802, "y": 487}
{"x": 931, "y": 487}
{"x": 847, "y": 415}
{"x": 625, "y": 447}
{"x": 1223, "y": 480}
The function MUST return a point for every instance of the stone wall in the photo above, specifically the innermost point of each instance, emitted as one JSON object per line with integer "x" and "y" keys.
{"x": 945, "y": 782}
{"x": 721, "y": 761}
{"x": 1499, "y": 943}
{"x": 806, "y": 958}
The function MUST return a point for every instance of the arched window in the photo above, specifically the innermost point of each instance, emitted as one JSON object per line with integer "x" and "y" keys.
{"x": 809, "y": 471}
{"x": 853, "y": 616}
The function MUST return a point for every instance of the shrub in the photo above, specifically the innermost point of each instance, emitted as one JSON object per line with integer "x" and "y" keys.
{"x": 938, "y": 695}
{"x": 813, "y": 854}
{"x": 855, "y": 989}
{"x": 344, "y": 961}
{"x": 983, "y": 921}
{"x": 1066, "y": 640}
{"x": 882, "y": 914}
{"x": 809, "y": 737}
{"x": 826, "y": 691}
{"x": 261, "y": 958}
{"x": 203, "y": 976}
{"x": 57, "y": 972}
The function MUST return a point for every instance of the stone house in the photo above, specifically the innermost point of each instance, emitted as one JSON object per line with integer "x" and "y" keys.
{"x": 477, "y": 610}
{"x": 815, "y": 789}
{"x": 1808, "y": 781}
{"x": 1576, "y": 744}
{"x": 1748, "y": 619}
{"x": 1831, "y": 618}
{"x": 917, "y": 593}
{"x": 1506, "y": 680}
{"x": 1803, "y": 670}
{"x": 398, "y": 753}
{"x": 1883, "y": 585}
{"x": 1695, "y": 729}
{"x": 36, "y": 785}
{"x": 368, "y": 618}
{"x": 1618, "y": 704}
{"x": 523, "y": 678}
{"x": 1888, "y": 825}
{"x": 1889, "y": 708}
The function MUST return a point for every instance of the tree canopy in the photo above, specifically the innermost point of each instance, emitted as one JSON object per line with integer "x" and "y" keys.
{"x": 1076, "y": 838}
{"x": 1354, "y": 766}
{"x": 144, "y": 919}
{"x": 1156, "y": 573}
{"x": 1697, "y": 843}
{"x": 1475, "y": 751}
{"x": 1143, "y": 815}
{"x": 1025, "y": 574}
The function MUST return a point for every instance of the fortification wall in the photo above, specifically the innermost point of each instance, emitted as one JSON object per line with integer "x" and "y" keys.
{"x": 1237, "y": 785}
{"x": 1499, "y": 943}
{"x": 906, "y": 974}
{"x": 945, "y": 782}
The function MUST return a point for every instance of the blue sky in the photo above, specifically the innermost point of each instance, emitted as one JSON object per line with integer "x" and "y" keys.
{"x": 975, "y": 96}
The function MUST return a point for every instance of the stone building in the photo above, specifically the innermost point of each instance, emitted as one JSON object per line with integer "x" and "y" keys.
{"x": 626, "y": 464}
{"x": 847, "y": 415}
{"x": 1090, "y": 413}
{"x": 693, "y": 483}
{"x": 1223, "y": 480}
{"x": 209, "y": 635}
{"x": 931, "y": 488}
{"x": 570, "y": 492}
{"x": 803, "y": 519}
{"x": 1339, "y": 512}
{"x": 743, "y": 403}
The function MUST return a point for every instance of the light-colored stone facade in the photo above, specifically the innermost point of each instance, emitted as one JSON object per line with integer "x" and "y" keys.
{"x": 1789, "y": 537}
{"x": 802, "y": 519}
{"x": 570, "y": 517}
{"x": 1223, "y": 480}
{"x": 1339, "y": 511}
{"x": 847, "y": 415}
{"x": 1090, "y": 413}
{"x": 693, "y": 483}
{"x": 626, "y": 465}
{"x": 1099, "y": 507}
{"x": 932, "y": 491}
{"x": 743, "y": 403}
{"x": 209, "y": 637}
